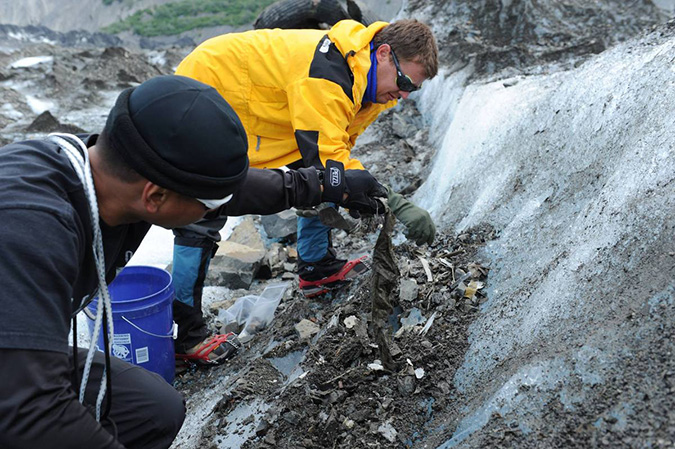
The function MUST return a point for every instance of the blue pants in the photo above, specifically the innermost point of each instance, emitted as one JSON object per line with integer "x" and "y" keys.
{"x": 313, "y": 239}
{"x": 194, "y": 246}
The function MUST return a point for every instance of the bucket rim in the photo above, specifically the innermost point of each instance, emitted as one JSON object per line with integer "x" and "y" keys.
{"x": 136, "y": 270}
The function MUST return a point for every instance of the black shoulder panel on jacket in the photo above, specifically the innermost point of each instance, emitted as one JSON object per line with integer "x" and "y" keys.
{"x": 329, "y": 64}
{"x": 308, "y": 144}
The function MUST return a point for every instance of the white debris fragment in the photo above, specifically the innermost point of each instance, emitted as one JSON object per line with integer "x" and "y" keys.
{"x": 348, "y": 423}
{"x": 350, "y": 321}
{"x": 376, "y": 366}
{"x": 428, "y": 324}
{"x": 427, "y": 269}
{"x": 419, "y": 373}
{"x": 306, "y": 329}
{"x": 388, "y": 431}
{"x": 446, "y": 263}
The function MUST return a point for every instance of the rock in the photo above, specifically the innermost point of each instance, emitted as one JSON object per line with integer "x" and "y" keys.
{"x": 127, "y": 77}
{"x": 270, "y": 440}
{"x": 406, "y": 385}
{"x": 387, "y": 431}
{"x": 348, "y": 423}
{"x": 47, "y": 123}
{"x": 291, "y": 417}
{"x": 115, "y": 52}
{"x": 408, "y": 289}
{"x": 289, "y": 267}
{"x": 336, "y": 396}
{"x": 5, "y": 75}
{"x": 394, "y": 350}
{"x": 306, "y": 329}
{"x": 249, "y": 419}
{"x": 275, "y": 259}
{"x": 237, "y": 260}
{"x": 281, "y": 225}
{"x": 234, "y": 266}
{"x": 247, "y": 234}
{"x": 437, "y": 298}
{"x": 361, "y": 415}
{"x": 292, "y": 253}
{"x": 445, "y": 388}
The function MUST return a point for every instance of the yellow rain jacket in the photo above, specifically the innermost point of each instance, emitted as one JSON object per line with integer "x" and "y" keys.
{"x": 297, "y": 92}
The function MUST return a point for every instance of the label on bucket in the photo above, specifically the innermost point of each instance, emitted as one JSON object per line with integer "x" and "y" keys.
{"x": 142, "y": 355}
{"x": 121, "y": 347}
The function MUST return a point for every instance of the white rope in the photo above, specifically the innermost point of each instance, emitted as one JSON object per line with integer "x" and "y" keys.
{"x": 80, "y": 162}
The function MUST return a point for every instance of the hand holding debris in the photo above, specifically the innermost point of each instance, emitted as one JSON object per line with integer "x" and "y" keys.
{"x": 356, "y": 190}
{"x": 420, "y": 226}
{"x": 362, "y": 193}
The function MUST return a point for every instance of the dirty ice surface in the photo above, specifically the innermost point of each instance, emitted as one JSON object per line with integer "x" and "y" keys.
{"x": 577, "y": 172}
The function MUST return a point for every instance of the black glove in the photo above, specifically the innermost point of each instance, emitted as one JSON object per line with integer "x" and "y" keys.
{"x": 359, "y": 185}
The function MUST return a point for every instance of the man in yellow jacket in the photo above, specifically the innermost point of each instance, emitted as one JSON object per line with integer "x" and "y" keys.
{"x": 303, "y": 96}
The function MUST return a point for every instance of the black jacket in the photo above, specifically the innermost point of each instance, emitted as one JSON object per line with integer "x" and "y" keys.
{"x": 46, "y": 259}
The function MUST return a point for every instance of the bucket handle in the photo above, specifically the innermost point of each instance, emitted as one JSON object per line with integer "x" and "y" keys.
{"x": 173, "y": 334}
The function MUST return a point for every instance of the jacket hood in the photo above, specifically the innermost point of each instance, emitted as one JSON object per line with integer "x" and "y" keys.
{"x": 350, "y": 35}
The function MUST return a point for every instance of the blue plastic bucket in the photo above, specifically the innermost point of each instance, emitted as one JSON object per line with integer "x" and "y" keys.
{"x": 141, "y": 300}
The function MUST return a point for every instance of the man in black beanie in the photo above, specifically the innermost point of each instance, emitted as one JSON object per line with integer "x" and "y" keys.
{"x": 74, "y": 209}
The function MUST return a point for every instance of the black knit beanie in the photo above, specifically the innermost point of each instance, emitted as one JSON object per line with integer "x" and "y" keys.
{"x": 181, "y": 135}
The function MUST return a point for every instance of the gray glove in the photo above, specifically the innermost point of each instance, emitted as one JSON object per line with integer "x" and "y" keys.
{"x": 420, "y": 226}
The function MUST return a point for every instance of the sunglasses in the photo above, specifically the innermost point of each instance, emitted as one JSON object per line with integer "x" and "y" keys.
{"x": 403, "y": 81}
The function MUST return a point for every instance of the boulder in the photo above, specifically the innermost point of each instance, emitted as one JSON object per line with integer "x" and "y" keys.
{"x": 281, "y": 225}
{"x": 238, "y": 259}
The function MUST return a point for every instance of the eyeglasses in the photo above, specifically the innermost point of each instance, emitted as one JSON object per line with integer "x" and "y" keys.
{"x": 404, "y": 82}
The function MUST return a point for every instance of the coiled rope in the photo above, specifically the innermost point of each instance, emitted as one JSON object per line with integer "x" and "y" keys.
{"x": 79, "y": 159}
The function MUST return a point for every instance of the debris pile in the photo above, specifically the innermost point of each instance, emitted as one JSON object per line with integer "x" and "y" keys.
{"x": 366, "y": 366}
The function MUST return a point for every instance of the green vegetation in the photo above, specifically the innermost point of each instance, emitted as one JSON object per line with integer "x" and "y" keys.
{"x": 174, "y": 18}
